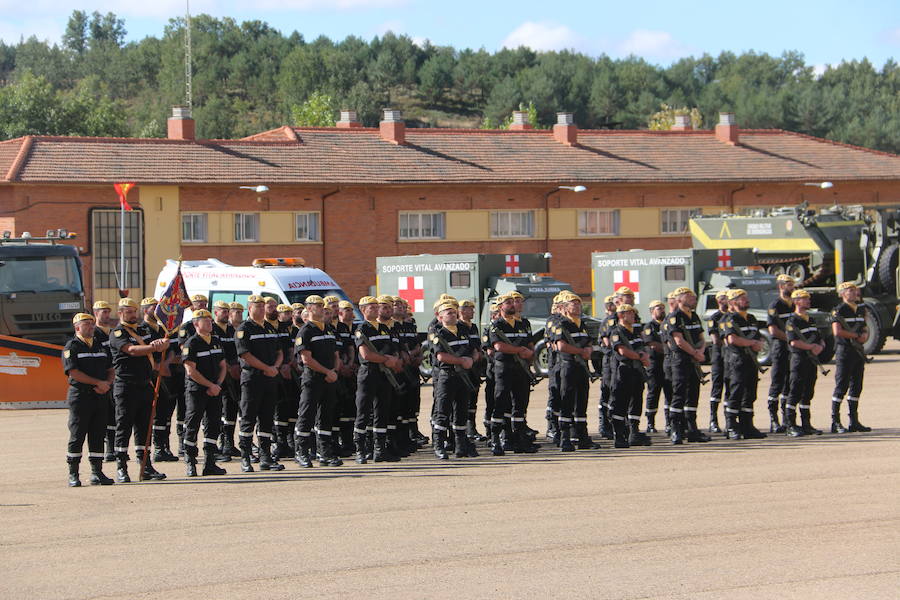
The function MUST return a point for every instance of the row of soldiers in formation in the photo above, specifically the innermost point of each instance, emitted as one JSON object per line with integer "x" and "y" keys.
{"x": 311, "y": 383}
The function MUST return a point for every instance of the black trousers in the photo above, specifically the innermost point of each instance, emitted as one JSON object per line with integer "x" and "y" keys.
{"x": 743, "y": 379}
{"x": 231, "y": 397}
{"x": 803, "y": 381}
{"x": 685, "y": 385}
{"x": 317, "y": 406}
{"x": 346, "y": 393}
{"x": 554, "y": 385}
{"x": 656, "y": 383}
{"x": 287, "y": 401}
{"x": 606, "y": 379}
{"x": 717, "y": 378}
{"x": 165, "y": 407}
{"x": 510, "y": 393}
{"x": 451, "y": 401}
{"x": 627, "y": 392}
{"x": 133, "y": 403}
{"x": 374, "y": 396}
{"x": 257, "y": 404}
{"x": 848, "y": 374}
{"x": 198, "y": 404}
{"x": 573, "y": 392}
{"x": 87, "y": 419}
{"x": 780, "y": 372}
{"x": 489, "y": 396}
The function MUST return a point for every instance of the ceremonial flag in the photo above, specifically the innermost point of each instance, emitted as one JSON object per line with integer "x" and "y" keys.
{"x": 170, "y": 308}
{"x": 122, "y": 189}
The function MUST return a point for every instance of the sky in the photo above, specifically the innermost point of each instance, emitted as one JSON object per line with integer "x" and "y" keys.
{"x": 824, "y": 31}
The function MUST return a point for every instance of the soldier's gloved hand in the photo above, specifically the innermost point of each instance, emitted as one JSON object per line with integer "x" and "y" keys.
{"x": 466, "y": 362}
{"x": 214, "y": 390}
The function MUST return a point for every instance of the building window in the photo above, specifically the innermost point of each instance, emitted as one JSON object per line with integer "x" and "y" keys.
{"x": 246, "y": 227}
{"x": 307, "y": 227}
{"x": 193, "y": 227}
{"x": 106, "y": 249}
{"x": 674, "y": 273}
{"x": 598, "y": 222}
{"x": 676, "y": 220}
{"x": 460, "y": 279}
{"x": 421, "y": 226}
{"x": 512, "y": 223}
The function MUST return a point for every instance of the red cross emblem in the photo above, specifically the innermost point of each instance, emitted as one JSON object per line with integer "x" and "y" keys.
{"x": 724, "y": 259}
{"x": 512, "y": 263}
{"x": 629, "y": 279}
{"x": 412, "y": 289}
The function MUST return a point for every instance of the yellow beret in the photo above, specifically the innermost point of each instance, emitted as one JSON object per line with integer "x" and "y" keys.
{"x": 149, "y": 301}
{"x": 567, "y": 296}
{"x": 314, "y": 299}
{"x": 655, "y": 303}
{"x": 625, "y": 308}
{"x": 722, "y": 294}
{"x": 236, "y": 306}
{"x": 784, "y": 279}
{"x": 447, "y": 305}
{"x": 284, "y": 308}
{"x": 609, "y": 299}
{"x": 800, "y": 294}
{"x": 624, "y": 291}
{"x": 671, "y": 295}
{"x": 515, "y": 295}
{"x": 445, "y": 296}
{"x": 368, "y": 300}
{"x": 101, "y": 305}
{"x": 297, "y": 306}
{"x": 199, "y": 298}
{"x": 464, "y": 303}
{"x": 128, "y": 302}
{"x": 345, "y": 304}
{"x": 220, "y": 304}
{"x": 256, "y": 299}
{"x": 847, "y": 285}
{"x": 385, "y": 299}
{"x": 82, "y": 317}
{"x": 683, "y": 290}
{"x": 736, "y": 293}
{"x": 200, "y": 314}
{"x": 330, "y": 299}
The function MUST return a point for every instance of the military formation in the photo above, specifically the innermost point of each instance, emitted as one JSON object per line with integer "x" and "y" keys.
{"x": 308, "y": 382}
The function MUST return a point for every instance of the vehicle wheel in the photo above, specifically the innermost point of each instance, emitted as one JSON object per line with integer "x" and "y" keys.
{"x": 887, "y": 268}
{"x": 541, "y": 358}
{"x": 797, "y": 271}
{"x": 776, "y": 269}
{"x": 828, "y": 353}
{"x": 765, "y": 355}
{"x": 877, "y": 336}
{"x": 425, "y": 368}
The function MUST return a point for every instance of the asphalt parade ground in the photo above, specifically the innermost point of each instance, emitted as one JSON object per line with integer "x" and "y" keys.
{"x": 814, "y": 517}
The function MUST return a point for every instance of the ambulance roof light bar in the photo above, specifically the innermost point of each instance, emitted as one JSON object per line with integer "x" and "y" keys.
{"x": 279, "y": 262}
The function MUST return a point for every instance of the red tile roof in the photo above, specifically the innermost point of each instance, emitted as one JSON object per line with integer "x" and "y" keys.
{"x": 442, "y": 156}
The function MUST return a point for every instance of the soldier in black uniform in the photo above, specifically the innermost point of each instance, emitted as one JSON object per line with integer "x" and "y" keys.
{"x": 519, "y": 301}
{"x": 553, "y": 381}
{"x": 511, "y": 379}
{"x": 151, "y": 330}
{"x": 489, "y": 381}
{"x": 412, "y": 355}
{"x": 89, "y": 368}
{"x": 225, "y": 331}
{"x": 288, "y": 394}
{"x": 176, "y": 380}
{"x": 132, "y": 388}
{"x": 848, "y": 322}
{"x": 741, "y": 333}
{"x": 672, "y": 305}
{"x": 102, "y": 329}
{"x": 654, "y": 345}
{"x": 779, "y": 311}
{"x": 630, "y": 359}
{"x": 205, "y": 370}
{"x": 466, "y": 316}
{"x": 317, "y": 352}
{"x": 685, "y": 331}
{"x": 373, "y": 391}
{"x": 259, "y": 349}
{"x": 717, "y": 361}
{"x": 347, "y": 373}
{"x": 453, "y": 359}
{"x": 573, "y": 346}
{"x": 805, "y": 340}
{"x": 607, "y": 323}
{"x": 331, "y": 318}
{"x": 395, "y": 445}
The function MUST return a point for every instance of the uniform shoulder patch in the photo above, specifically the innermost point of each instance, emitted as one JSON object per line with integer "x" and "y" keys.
{"x": 240, "y": 334}
{"x": 185, "y": 351}
{"x": 182, "y": 332}
{"x": 647, "y": 331}
{"x": 118, "y": 333}
{"x": 615, "y": 337}
{"x": 298, "y": 341}
{"x": 67, "y": 353}
{"x": 358, "y": 333}
{"x": 672, "y": 320}
{"x": 772, "y": 311}
{"x": 610, "y": 322}
{"x": 710, "y": 323}
{"x": 790, "y": 327}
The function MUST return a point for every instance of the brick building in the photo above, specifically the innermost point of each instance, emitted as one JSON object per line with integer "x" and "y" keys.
{"x": 341, "y": 196}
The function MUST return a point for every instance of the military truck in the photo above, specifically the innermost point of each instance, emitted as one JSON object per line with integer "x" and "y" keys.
{"x": 821, "y": 249}
{"x": 422, "y": 278}
{"x": 652, "y": 274}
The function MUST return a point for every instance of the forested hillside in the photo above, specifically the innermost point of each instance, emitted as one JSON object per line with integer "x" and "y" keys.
{"x": 248, "y": 77}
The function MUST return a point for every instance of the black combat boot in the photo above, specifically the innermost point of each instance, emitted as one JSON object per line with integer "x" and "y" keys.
{"x": 668, "y": 419}
{"x": 359, "y": 440}
{"x": 440, "y": 444}
{"x": 161, "y": 445}
{"x": 450, "y": 442}
{"x": 110, "y": 445}
{"x": 714, "y": 417}
{"x": 651, "y": 422}
{"x": 347, "y": 445}
{"x": 565, "y": 437}
{"x": 496, "y": 442}
{"x": 552, "y": 427}
{"x": 606, "y": 426}
{"x": 854, "y": 424}
{"x": 620, "y": 433}
{"x": 732, "y": 426}
{"x": 191, "y": 462}
{"x": 790, "y": 420}
{"x": 149, "y": 473}
{"x": 636, "y": 437}
{"x": 97, "y": 476}
{"x": 282, "y": 447}
{"x": 462, "y": 444}
{"x": 228, "y": 447}
{"x": 246, "y": 458}
{"x": 748, "y": 430}
{"x": 209, "y": 465}
{"x": 122, "y": 468}
{"x": 471, "y": 451}
{"x": 836, "y": 426}
{"x": 676, "y": 424}
{"x": 179, "y": 430}
{"x": 327, "y": 455}
{"x": 774, "y": 425}
{"x": 370, "y": 444}
{"x": 266, "y": 461}
{"x": 302, "y": 454}
{"x": 693, "y": 432}
{"x": 74, "y": 481}
{"x": 584, "y": 439}
{"x": 381, "y": 452}
{"x": 395, "y": 444}
{"x": 806, "y": 423}
{"x": 472, "y": 432}
{"x": 522, "y": 441}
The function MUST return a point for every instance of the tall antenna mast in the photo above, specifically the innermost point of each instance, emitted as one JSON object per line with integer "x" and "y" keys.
{"x": 188, "y": 71}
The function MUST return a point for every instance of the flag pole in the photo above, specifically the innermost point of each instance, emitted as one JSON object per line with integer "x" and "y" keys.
{"x": 122, "y": 281}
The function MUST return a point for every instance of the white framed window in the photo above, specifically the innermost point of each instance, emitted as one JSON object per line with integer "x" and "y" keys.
{"x": 421, "y": 226}
{"x": 675, "y": 220}
{"x": 512, "y": 223}
{"x": 598, "y": 222}
{"x": 306, "y": 226}
{"x": 246, "y": 227}
{"x": 193, "y": 227}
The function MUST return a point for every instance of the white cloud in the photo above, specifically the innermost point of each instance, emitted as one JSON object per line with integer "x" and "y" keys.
{"x": 48, "y": 30}
{"x": 650, "y": 44}
{"x": 544, "y": 36}
{"x": 819, "y": 70}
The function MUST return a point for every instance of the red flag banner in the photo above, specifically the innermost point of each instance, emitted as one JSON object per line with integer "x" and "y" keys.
{"x": 170, "y": 308}
{"x": 122, "y": 189}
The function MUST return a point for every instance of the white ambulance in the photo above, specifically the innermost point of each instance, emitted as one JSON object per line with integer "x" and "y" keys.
{"x": 288, "y": 280}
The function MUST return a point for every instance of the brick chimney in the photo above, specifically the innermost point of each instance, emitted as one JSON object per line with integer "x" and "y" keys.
{"x": 727, "y": 129}
{"x": 565, "y": 131}
{"x": 181, "y": 124}
{"x": 520, "y": 121}
{"x": 348, "y": 120}
{"x": 392, "y": 127}
{"x": 683, "y": 123}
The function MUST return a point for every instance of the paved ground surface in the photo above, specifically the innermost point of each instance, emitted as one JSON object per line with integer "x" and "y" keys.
{"x": 788, "y": 518}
